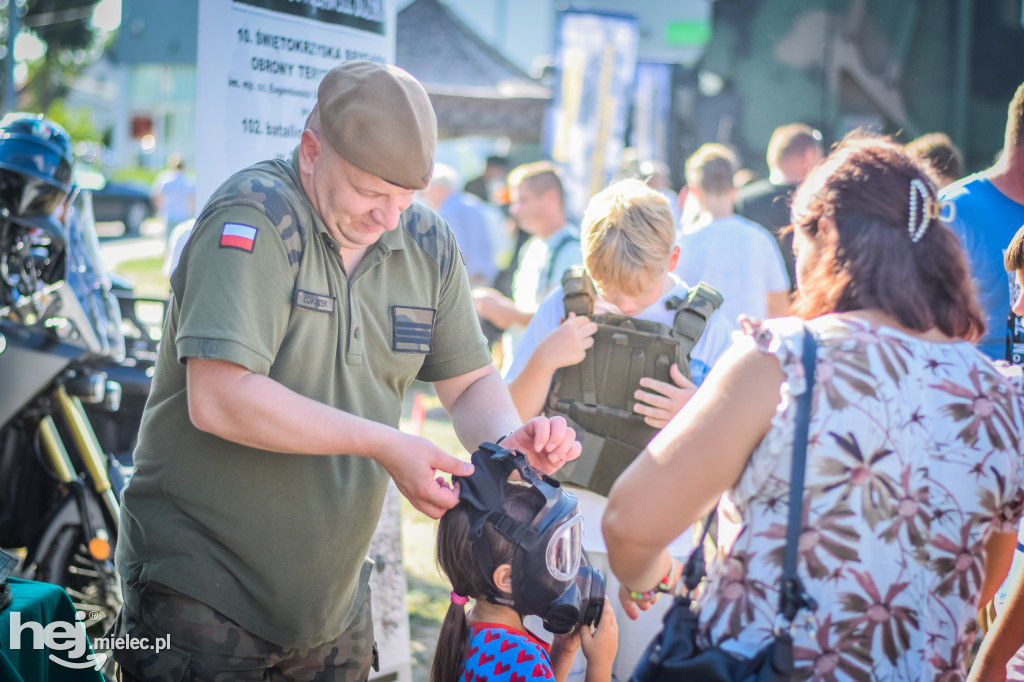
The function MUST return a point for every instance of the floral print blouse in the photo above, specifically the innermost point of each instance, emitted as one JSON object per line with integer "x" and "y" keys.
{"x": 914, "y": 456}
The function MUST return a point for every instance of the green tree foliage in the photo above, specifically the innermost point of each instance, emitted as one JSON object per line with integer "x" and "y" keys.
{"x": 77, "y": 121}
{"x": 65, "y": 27}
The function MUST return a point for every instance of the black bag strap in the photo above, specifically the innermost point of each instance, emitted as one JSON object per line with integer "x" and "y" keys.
{"x": 695, "y": 568}
{"x": 792, "y": 596}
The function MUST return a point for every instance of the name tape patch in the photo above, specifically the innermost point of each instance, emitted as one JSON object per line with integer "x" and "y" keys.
{"x": 238, "y": 236}
{"x": 311, "y": 301}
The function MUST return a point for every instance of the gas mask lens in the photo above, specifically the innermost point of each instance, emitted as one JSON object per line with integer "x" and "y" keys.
{"x": 565, "y": 549}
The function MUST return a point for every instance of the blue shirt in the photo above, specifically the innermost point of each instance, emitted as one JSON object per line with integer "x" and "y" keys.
{"x": 467, "y": 216}
{"x": 985, "y": 221}
{"x": 179, "y": 194}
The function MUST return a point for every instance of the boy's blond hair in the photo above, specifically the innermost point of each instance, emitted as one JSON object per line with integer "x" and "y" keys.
{"x": 627, "y": 236}
{"x": 712, "y": 168}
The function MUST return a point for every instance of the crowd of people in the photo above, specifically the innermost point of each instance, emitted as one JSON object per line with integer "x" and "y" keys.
{"x": 648, "y": 370}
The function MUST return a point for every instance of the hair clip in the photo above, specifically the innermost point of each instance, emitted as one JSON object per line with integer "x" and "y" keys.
{"x": 930, "y": 209}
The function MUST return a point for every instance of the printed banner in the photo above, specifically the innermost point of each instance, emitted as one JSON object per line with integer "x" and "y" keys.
{"x": 258, "y": 66}
{"x": 652, "y": 108}
{"x": 365, "y": 15}
{"x": 586, "y": 127}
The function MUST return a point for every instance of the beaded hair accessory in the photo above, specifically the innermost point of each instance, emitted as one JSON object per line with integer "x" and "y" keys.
{"x": 924, "y": 208}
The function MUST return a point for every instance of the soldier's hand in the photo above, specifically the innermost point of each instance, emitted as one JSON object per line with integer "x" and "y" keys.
{"x": 663, "y": 401}
{"x": 414, "y": 463}
{"x": 567, "y": 344}
{"x": 548, "y": 443}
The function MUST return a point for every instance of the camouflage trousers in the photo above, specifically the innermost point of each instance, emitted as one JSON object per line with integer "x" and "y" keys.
{"x": 171, "y": 637}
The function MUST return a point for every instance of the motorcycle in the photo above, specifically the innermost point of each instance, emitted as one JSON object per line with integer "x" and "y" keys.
{"x": 61, "y": 340}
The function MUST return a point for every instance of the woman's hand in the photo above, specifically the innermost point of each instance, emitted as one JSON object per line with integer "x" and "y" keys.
{"x": 633, "y": 604}
{"x": 658, "y": 408}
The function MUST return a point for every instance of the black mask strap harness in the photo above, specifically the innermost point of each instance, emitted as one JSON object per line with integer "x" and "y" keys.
{"x": 483, "y": 491}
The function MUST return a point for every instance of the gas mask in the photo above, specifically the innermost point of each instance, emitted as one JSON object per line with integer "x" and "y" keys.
{"x": 551, "y": 575}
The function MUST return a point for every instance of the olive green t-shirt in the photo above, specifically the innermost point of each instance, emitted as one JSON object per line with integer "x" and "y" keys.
{"x": 277, "y": 542}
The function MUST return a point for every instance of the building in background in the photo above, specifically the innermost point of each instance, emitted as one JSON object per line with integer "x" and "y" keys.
{"x": 733, "y": 70}
{"x": 156, "y": 48}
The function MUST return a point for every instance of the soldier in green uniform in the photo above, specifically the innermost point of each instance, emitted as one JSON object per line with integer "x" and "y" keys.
{"x": 310, "y": 295}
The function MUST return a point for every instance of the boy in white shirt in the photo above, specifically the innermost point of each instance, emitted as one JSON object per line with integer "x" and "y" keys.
{"x": 628, "y": 243}
{"x": 738, "y": 257}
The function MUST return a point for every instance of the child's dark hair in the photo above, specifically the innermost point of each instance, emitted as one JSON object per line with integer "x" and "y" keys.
{"x": 1013, "y": 260}
{"x": 455, "y": 558}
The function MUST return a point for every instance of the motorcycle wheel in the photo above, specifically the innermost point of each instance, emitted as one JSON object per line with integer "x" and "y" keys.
{"x": 94, "y": 586}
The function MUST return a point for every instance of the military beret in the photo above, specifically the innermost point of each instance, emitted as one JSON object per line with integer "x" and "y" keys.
{"x": 379, "y": 118}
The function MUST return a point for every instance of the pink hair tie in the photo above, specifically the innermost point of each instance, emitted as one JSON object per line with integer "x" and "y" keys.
{"x": 459, "y": 599}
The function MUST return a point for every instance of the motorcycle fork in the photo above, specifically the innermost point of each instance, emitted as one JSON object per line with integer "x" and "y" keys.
{"x": 89, "y": 446}
{"x": 73, "y": 415}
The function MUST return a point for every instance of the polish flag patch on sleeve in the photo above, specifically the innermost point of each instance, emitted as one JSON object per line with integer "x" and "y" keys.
{"x": 238, "y": 236}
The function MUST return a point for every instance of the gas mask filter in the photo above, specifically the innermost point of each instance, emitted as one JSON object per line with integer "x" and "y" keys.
{"x": 551, "y": 575}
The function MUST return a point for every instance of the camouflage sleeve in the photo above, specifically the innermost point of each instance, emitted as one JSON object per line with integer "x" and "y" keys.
{"x": 235, "y": 290}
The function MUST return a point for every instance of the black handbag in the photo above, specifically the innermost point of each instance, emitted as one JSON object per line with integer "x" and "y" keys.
{"x": 677, "y": 653}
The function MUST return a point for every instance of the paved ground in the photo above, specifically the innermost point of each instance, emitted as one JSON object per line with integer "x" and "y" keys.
{"x": 117, "y": 248}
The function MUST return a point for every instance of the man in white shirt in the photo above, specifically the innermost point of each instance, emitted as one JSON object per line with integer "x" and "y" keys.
{"x": 737, "y": 257}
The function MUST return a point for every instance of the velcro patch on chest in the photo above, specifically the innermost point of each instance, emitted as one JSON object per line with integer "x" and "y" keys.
{"x": 238, "y": 236}
{"x": 316, "y": 302}
{"x": 411, "y": 329}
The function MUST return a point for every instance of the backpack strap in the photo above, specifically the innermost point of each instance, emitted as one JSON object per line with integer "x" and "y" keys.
{"x": 692, "y": 314}
{"x": 553, "y": 258}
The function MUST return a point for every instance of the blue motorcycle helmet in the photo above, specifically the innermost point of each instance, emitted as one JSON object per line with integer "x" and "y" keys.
{"x": 551, "y": 575}
{"x": 35, "y": 164}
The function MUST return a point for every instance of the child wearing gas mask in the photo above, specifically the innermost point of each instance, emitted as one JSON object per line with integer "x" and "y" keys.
{"x": 514, "y": 548}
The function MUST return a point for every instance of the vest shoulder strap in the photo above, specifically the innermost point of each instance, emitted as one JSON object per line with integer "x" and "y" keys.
{"x": 578, "y": 291}
{"x": 692, "y": 314}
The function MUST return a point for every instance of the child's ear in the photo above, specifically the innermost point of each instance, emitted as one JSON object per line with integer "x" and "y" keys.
{"x": 502, "y": 578}
{"x": 673, "y": 260}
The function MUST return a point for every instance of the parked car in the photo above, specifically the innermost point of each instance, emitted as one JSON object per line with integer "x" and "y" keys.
{"x": 121, "y": 202}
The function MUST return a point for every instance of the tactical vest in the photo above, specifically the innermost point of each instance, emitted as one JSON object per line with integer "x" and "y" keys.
{"x": 596, "y": 395}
